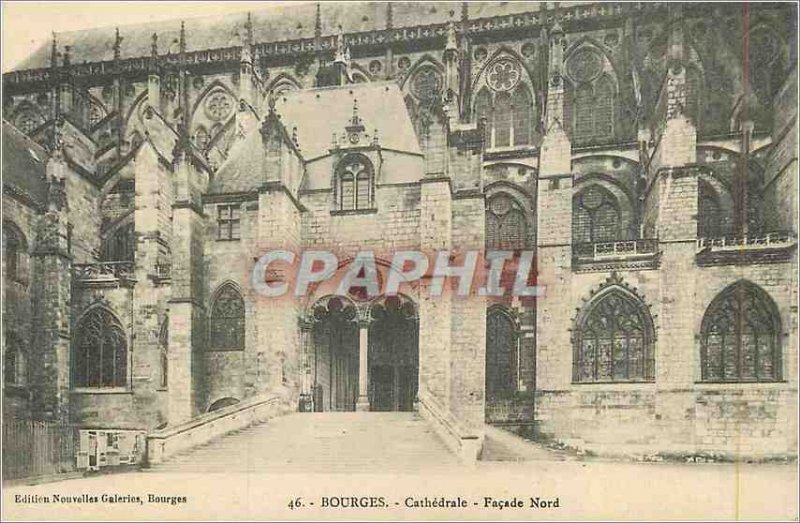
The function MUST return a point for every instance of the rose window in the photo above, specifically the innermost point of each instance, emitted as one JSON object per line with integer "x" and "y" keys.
{"x": 28, "y": 121}
{"x": 503, "y": 75}
{"x": 218, "y": 106}
{"x": 584, "y": 66}
{"x": 427, "y": 84}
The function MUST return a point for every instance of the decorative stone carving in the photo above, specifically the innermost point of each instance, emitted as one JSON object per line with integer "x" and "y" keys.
{"x": 28, "y": 120}
{"x": 584, "y": 65}
{"x": 504, "y": 74}
{"x": 529, "y": 50}
{"x": 218, "y": 106}
{"x": 427, "y": 83}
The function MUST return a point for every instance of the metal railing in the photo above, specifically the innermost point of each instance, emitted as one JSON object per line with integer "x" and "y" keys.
{"x": 601, "y": 250}
{"x": 37, "y": 448}
{"x": 103, "y": 270}
{"x": 770, "y": 240}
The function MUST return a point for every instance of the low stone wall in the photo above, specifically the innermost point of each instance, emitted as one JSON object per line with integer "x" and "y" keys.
{"x": 466, "y": 444}
{"x": 165, "y": 443}
{"x": 726, "y": 422}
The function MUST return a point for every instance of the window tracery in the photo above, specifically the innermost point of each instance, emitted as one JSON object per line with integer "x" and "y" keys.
{"x": 120, "y": 245}
{"x": 506, "y": 227}
{"x": 740, "y": 336}
{"x": 591, "y": 97}
{"x": 227, "y": 320}
{"x": 219, "y": 106}
{"x": 101, "y": 355}
{"x": 354, "y": 184}
{"x": 613, "y": 341}
{"x": 595, "y": 216}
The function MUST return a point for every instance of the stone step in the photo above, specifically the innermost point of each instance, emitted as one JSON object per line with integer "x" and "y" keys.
{"x": 322, "y": 442}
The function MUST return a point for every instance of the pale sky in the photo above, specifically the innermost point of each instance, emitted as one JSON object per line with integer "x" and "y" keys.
{"x": 27, "y": 25}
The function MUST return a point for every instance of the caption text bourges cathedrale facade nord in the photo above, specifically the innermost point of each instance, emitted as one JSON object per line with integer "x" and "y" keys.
{"x": 645, "y": 151}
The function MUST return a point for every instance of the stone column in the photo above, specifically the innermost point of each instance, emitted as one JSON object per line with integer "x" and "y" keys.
{"x": 363, "y": 369}
{"x": 51, "y": 296}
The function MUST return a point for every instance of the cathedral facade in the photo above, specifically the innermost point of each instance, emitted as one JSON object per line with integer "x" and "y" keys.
{"x": 645, "y": 152}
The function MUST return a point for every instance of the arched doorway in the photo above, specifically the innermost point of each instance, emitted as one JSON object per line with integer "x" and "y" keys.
{"x": 393, "y": 354}
{"x": 335, "y": 339}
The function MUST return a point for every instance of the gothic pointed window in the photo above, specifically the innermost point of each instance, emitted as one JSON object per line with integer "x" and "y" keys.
{"x": 501, "y": 355}
{"x": 226, "y": 331}
{"x": 120, "y": 244}
{"x": 354, "y": 183}
{"x": 100, "y": 354}
{"x": 740, "y": 336}
{"x": 613, "y": 340}
{"x": 506, "y": 227}
{"x": 595, "y": 216}
{"x": 14, "y": 372}
{"x": 15, "y": 255}
{"x": 507, "y": 105}
{"x": 591, "y": 98}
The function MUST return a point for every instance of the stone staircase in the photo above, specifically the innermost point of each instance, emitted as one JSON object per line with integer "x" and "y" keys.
{"x": 340, "y": 442}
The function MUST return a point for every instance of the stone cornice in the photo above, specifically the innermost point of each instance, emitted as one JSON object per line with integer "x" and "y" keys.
{"x": 361, "y": 43}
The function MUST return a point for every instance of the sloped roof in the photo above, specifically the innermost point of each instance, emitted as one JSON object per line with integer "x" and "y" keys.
{"x": 244, "y": 170}
{"x": 319, "y": 113}
{"x": 24, "y": 165}
{"x": 273, "y": 24}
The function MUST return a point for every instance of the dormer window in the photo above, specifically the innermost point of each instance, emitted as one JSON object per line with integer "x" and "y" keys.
{"x": 354, "y": 184}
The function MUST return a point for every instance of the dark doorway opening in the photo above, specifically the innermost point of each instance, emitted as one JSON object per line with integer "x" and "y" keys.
{"x": 336, "y": 357}
{"x": 393, "y": 355}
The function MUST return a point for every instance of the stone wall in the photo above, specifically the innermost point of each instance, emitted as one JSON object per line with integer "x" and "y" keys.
{"x": 17, "y": 305}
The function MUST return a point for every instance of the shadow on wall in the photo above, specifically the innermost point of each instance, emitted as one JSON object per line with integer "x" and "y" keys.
{"x": 222, "y": 403}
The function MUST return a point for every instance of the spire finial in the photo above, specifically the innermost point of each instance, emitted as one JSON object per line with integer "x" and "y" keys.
{"x": 182, "y": 40}
{"x": 389, "y": 16}
{"x": 248, "y": 30}
{"x": 66, "y": 55}
{"x": 54, "y": 52}
{"x": 341, "y": 50}
{"x": 452, "y": 39}
{"x": 154, "y": 45}
{"x": 355, "y": 120}
{"x": 318, "y": 22}
{"x": 117, "y": 44}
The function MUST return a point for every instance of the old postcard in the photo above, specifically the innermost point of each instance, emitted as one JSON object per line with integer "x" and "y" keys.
{"x": 399, "y": 261}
